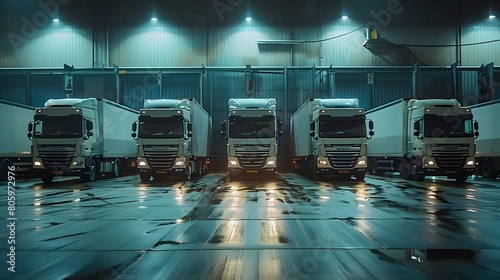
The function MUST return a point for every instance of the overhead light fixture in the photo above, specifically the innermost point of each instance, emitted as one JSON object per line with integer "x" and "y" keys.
{"x": 345, "y": 17}
{"x": 280, "y": 42}
{"x": 154, "y": 19}
{"x": 55, "y": 20}
{"x": 492, "y": 16}
{"x": 248, "y": 18}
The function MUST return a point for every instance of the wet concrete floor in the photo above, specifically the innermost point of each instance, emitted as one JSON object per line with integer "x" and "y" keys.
{"x": 290, "y": 228}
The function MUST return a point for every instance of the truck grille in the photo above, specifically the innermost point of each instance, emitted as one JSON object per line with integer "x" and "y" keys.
{"x": 56, "y": 157}
{"x": 450, "y": 155}
{"x": 252, "y": 156}
{"x": 161, "y": 156}
{"x": 343, "y": 157}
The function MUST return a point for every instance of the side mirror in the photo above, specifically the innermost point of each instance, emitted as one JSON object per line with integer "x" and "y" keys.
{"x": 416, "y": 126}
{"x": 370, "y": 125}
{"x": 223, "y": 128}
{"x": 416, "y": 133}
{"x": 134, "y": 135}
{"x": 312, "y": 128}
{"x": 89, "y": 125}
{"x": 90, "y": 133}
{"x": 476, "y": 125}
{"x": 371, "y": 133}
{"x": 190, "y": 129}
{"x": 30, "y": 129}
{"x": 134, "y": 127}
{"x": 476, "y": 134}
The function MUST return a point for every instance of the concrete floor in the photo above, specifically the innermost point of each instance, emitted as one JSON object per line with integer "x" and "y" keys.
{"x": 291, "y": 228}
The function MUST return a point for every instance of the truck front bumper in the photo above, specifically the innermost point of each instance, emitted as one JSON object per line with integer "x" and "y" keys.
{"x": 432, "y": 169}
{"x": 241, "y": 171}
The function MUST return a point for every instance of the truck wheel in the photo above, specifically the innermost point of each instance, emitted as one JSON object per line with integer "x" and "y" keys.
{"x": 461, "y": 178}
{"x": 188, "y": 174}
{"x": 47, "y": 178}
{"x": 415, "y": 170}
{"x": 4, "y": 170}
{"x": 487, "y": 169}
{"x": 374, "y": 168}
{"x": 145, "y": 177}
{"x": 92, "y": 172}
{"x": 360, "y": 177}
{"x": 117, "y": 168}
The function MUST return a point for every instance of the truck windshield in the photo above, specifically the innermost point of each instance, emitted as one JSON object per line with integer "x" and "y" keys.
{"x": 58, "y": 127}
{"x": 342, "y": 127}
{"x": 242, "y": 127}
{"x": 448, "y": 126}
{"x": 171, "y": 127}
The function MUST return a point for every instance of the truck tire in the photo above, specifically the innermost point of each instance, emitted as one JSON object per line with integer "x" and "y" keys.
{"x": 117, "y": 169}
{"x": 461, "y": 178}
{"x": 374, "y": 168}
{"x": 188, "y": 173}
{"x": 145, "y": 177}
{"x": 4, "y": 170}
{"x": 47, "y": 178}
{"x": 360, "y": 177}
{"x": 91, "y": 172}
{"x": 416, "y": 173}
{"x": 488, "y": 169}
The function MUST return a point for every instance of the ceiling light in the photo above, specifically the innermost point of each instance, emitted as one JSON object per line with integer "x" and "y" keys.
{"x": 248, "y": 19}
{"x": 492, "y": 16}
{"x": 345, "y": 17}
{"x": 55, "y": 20}
{"x": 154, "y": 19}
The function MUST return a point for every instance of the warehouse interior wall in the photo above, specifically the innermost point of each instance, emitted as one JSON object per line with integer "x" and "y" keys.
{"x": 291, "y": 51}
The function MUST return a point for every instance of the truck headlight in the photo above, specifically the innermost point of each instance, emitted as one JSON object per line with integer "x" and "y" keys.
{"x": 429, "y": 163}
{"x": 362, "y": 162}
{"x": 78, "y": 162}
{"x": 180, "y": 163}
{"x": 37, "y": 163}
{"x": 232, "y": 162}
{"x": 271, "y": 162}
{"x": 470, "y": 163}
{"x": 142, "y": 163}
{"x": 323, "y": 163}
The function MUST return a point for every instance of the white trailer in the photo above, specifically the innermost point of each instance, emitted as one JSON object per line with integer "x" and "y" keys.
{"x": 82, "y": 137}
{"x": 418, "y": 138}
{"x": 173, "y": 138}
{"x": 252, "y": 136}
{"x": 15, "y": 148}
{"x": 488, "y": 141}
{"x": 328, "y": 136}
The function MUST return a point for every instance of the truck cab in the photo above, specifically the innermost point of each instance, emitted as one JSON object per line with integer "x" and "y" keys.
{"x": 441, "y": 139}
{"x": 251, "y": 132}
{"x": 339, "y": 137}
{"x": 63, "y": 138}
{"x": 172, "y": 138}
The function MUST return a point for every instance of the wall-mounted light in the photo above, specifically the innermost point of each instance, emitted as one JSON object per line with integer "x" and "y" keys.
{"x": 154, "y": 19}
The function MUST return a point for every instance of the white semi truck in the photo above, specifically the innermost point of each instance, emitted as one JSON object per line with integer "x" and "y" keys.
{"x": 427, "y": 137}
{"x": 82, "y": 137}
{"x": 328, "y": 136}
{"x": 488, "y": 143}
{"x": 173, "y": 138}
{"x": 15, "y": 148}
{"x": 252, "y": 137}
